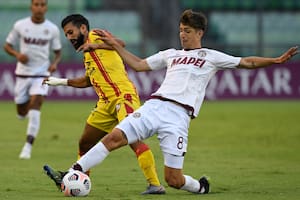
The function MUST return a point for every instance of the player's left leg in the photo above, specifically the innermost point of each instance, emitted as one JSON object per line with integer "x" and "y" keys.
{"x": 176, "y": 179}
{"x": 173, "y": 139}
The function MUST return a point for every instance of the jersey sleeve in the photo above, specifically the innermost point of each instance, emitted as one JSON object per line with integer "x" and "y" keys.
{"x": 56, "y": 42}
{"x": 158, "y": 60}
{"x": 225, "y": 61}
{"x": 13, "y": 36}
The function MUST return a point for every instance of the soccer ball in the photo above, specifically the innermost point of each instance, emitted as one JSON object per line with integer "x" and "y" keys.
{"x": 76, "y": 183}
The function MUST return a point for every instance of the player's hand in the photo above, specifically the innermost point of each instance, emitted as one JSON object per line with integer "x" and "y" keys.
{"x": 106, "y": 37}
{"x": 88, "y": 47}
{"x": 287, "y": 55}
{"x": 55, "y": 81}
{"x": 52, "y": 68}
{"x": 100, "y": 32}
{"x": 22, "y": 58}
{"x": 109, "y": 39}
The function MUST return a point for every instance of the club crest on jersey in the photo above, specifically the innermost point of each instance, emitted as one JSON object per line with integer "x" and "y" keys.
{"x": 136, "y": 115}
{"x": 201, "y": 53}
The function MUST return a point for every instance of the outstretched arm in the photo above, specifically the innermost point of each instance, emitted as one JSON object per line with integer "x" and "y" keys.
{"x": 80, "y": 82}
{"x": 132, "y": 60}
{"x": 254, "y": 62}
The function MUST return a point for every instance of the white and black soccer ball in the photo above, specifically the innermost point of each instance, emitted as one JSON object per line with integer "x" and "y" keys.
{"x": 76, "y": 183}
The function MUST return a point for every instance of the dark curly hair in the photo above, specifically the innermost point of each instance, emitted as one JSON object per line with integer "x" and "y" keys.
{"x": 76, "y": 19}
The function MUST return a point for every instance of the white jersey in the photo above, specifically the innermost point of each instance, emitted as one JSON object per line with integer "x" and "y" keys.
{"x": 35, "y": 41}
{"x": 188, "y": 73}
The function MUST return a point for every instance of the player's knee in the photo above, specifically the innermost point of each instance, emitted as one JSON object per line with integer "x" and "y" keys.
{"x": 114, "y": 140}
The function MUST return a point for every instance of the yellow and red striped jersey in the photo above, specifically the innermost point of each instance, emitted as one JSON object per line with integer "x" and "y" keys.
{"x": 106, "y": 71}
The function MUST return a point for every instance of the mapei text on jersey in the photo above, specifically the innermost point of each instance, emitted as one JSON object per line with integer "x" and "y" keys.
{"x": 36, "y": 41}
{"x": 188, "y": 60}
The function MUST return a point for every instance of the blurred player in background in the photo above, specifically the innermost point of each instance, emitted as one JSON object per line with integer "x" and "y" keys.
{"x": 178, "y": 100}
{"x": 36, "y": 36}
{"x": 118, "y": 97}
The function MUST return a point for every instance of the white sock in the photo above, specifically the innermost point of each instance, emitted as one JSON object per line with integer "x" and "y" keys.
{"x": 33, "y": 122}
{"x": 27, "y": 147}
{"x": 191, "y": 184}
{"x": 93, "y": 157}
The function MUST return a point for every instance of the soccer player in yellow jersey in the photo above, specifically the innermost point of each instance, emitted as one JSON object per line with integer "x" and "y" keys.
{"x": 118, "y": 97}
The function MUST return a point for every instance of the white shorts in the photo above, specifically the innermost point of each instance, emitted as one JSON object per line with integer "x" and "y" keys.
{"x": 26, "y": 87}
{"x": 168, "y": 120}
{"x": 173, "y": 161}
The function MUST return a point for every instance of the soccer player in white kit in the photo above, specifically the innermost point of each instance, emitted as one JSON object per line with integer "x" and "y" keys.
{"x": 35, "y": 35}
{"x": 170, "y": 109}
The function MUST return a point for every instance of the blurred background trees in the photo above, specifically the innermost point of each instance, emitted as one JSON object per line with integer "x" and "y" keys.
{"x": 241, "y": 28}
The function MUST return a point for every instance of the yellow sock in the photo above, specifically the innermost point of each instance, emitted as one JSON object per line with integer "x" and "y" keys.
{"x": 147, "y": 164}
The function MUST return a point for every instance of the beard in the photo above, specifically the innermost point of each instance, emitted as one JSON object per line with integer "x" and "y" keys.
{"x": 78, "y": 42}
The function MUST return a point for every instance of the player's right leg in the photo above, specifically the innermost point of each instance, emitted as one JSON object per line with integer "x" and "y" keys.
{"x": 33, "y": 126}
{"x": 90, "y": 137}
{"x": 93, "y": 157}
{"x": 22, "y": 110}
{"x": 29, "y": 98}
{"x": 22, "y": 101}
{"x": 56, "y": 176}
{"x": 112, "y": 141}
{"x": 22, "y": 97}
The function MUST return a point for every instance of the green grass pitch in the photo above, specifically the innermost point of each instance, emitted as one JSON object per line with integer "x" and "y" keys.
{"x": 249, "y": 149}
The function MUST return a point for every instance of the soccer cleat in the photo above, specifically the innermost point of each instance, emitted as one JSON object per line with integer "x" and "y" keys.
{"x": 26, "y": 152}
{"x": 152, "y": 189}
{"x": 56, "y": 176}
{"x": 21, "y": 117}
{"x": 204, "y": 185}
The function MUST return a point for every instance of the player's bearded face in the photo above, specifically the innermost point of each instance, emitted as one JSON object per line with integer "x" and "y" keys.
{"x": 78, "y": 41}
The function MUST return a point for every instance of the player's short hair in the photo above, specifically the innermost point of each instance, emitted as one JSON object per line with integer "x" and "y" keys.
{"x": 76, "y": 20}
{"x": 193, "y": 19}
{"x": 46, "y": 1}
